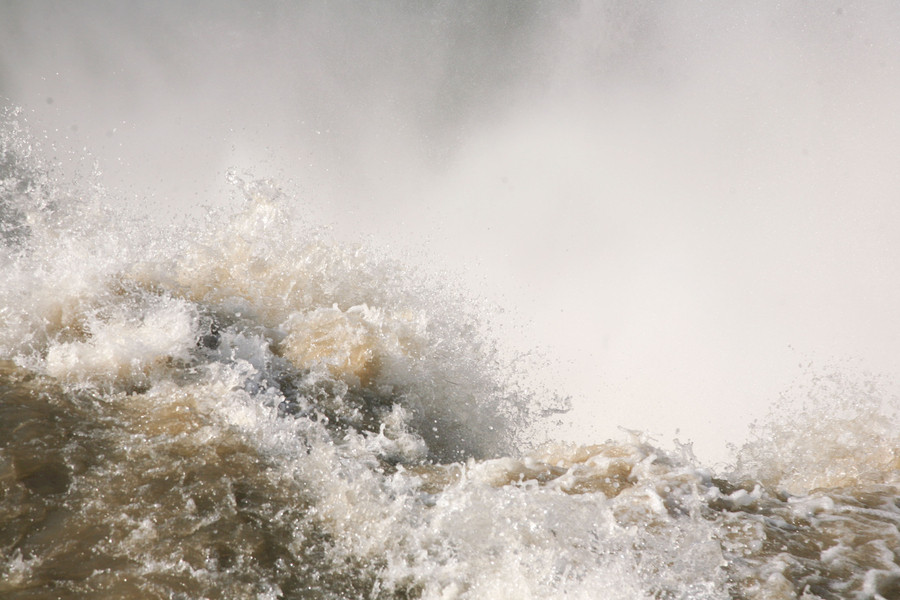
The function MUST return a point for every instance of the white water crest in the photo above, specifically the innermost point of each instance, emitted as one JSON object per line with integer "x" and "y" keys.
{"x": 409, "y": 300}
{"x": 244, "y": 408}
{"x": 675, "y": 204}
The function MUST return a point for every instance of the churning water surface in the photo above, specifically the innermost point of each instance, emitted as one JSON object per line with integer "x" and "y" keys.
{"x": 206, "y": 394}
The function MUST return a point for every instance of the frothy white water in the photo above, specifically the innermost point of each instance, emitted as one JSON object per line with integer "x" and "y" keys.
{"x": 242, "y": 407}
{"x": 111, "y": 303}
{"x": 678, "y": 203}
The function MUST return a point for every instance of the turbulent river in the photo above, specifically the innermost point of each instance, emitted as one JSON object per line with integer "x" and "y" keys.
{"x": 241, "y": 407}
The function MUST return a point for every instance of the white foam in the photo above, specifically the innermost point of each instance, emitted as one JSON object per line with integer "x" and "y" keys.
{"x": 127, "y": 344}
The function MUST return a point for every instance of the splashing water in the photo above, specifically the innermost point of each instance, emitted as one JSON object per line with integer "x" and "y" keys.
{"x": 243, "y": 408}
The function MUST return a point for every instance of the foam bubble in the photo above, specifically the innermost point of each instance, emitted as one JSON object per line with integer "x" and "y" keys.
{"x": 127, "y": 344}
{"x": 837, "y": 427}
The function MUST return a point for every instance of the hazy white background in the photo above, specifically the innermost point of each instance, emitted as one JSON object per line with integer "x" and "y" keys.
{"x": 680, "y": 203}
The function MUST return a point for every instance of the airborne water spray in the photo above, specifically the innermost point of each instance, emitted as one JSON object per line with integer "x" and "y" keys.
{"x": 677, "y": 202}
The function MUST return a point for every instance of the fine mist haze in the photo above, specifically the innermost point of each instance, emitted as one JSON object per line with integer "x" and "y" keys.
{"x": 679, "y": 204}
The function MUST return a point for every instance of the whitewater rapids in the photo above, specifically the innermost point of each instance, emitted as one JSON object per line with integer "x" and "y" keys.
{"x": 242, "y": 408}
